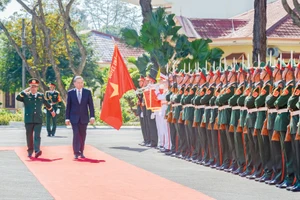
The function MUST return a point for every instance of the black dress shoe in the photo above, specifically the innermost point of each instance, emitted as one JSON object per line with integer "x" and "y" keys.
{"x": 245, "y": 173}
{"x": 76, "y": 156}
{"x": 38, "y": 154}
{"x": 238, "y": 171}
{"x": 296, "y": 188}
{"x": 82, "y": 156}
{"x": 284, "y": 184}
{"x": 29, "y": 155}
{"x": 142, "y": 144}
{"x": 273, "y": 181}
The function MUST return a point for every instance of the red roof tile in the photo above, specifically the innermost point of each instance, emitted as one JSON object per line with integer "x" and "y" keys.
{"x": 216, "y": 28}
{"x": 103, "y": 47}
{"x": 285, "y": 28}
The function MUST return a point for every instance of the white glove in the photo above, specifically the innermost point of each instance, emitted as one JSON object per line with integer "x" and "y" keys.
{"x": 57, "y": 111}
{"x": 45, "y": 111}
{"x": 152, "y": 116}
{"x": 142, "y": 115}
{"x": 157, "y": 89}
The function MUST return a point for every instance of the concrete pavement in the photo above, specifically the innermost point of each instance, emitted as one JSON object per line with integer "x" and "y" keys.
{"x": 123, "y": 145}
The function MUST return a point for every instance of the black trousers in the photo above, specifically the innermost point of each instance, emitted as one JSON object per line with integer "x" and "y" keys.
{"x": 33, "y": 137}
{"x": 79, "y": 135}
{"x": 173, "y": 134}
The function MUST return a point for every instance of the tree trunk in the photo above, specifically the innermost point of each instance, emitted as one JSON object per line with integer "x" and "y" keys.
{"x": 293, "y": 13}
{"x": 146, "y": 9}
{"x": 259, "y": 31}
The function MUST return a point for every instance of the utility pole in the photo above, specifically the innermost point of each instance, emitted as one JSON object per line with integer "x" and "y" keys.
{"x": 23, "y": 53}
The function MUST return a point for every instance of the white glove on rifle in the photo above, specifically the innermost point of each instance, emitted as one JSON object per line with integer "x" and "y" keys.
{"x": 142, "y": 115}
{"x": 57, "y": 111}
{"x": 45, "y": 111}
{"x": 152, "y": 116}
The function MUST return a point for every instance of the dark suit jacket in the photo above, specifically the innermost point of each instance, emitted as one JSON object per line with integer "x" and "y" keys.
{"x": 76, "y": 112}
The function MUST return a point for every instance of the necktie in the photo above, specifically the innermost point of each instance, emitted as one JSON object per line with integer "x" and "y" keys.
{"x": 79, "y": 96}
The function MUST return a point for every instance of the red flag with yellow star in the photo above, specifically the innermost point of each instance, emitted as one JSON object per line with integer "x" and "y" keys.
{"x": 119, "y": 82}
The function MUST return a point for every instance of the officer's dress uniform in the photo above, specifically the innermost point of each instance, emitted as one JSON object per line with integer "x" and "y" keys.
{"x": 54, "y": 99}
{"x": 265, "y": 145}
{"x": 140, "y": 114}
{"x": 235, "y": 116}
{"x": 282, "y": 120}
{"x": 205, "y": 101}
{"x": 228, "y": 152}
{"x": 214, "y": 126}
{"x": 251, "y": 133}
{"x": 275, "y": 145}
{"x": 169, "y": 117}
{"x": 33, "y": 104}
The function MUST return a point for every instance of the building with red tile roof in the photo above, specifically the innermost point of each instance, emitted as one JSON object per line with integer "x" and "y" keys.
{"x": 235, "y": 35}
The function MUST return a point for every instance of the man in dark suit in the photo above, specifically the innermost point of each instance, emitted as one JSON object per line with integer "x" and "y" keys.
{"x": 79, "y": 112}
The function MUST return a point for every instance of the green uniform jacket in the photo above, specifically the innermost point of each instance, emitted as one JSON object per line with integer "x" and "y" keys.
{"x": 241, "y": 102}
{"x": 235, "y": 114}
{"x": 198, "y": 113}
{"x": 177, "y": 109}
{"x": 33, "y": 106}
{"x": 282, "y": 120}
{"x": 292, "y": 102}
{"x": 223, "y": 100}
{"x": 205, "y": 101}
{"x": 270, "y": 100}
{"x": 212, "y": 102}
{"x": 168, "y": 99}
{"x": 188, "y": 111}
{"x": 249, "y": 103}
{"x": 54, "y": 99}
{"x": 260, "y": 102}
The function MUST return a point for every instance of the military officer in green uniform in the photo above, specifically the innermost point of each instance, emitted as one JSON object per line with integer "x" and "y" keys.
{"x": 228, "y": 152}
{"x": 296, "y": 139}
{"x": 54, "y": 99}
{"x": 33, "y": 102}
{"x": 215, "y": 89}
{"x": 261, "y": 124}
{"x": 282, "y": 120}
{"x": 250, "y": 123}
{"x": 276, "y": 156}
{"x": 209, "y": 92}
{"x": 235, "y": 115}
{"x": 243, "y": 148}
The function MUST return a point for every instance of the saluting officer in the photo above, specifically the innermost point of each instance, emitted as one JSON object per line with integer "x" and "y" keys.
{"x": 33, "y": 102}
{"x": 54, "y": 99}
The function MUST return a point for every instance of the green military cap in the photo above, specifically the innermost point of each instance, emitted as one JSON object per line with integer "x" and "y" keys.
{"x": 255, "y": 64}
{"x": 33, "y": 82}
{"x": 52, "y": 84}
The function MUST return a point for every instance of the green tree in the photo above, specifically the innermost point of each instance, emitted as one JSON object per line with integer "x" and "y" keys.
{"x": 50, "y": 35}
{"x": 293, "y": 12}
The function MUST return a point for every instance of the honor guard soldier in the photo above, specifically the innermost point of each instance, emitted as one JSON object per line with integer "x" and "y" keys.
{"x": 228, "y": 155}
{"x": 139, "y": 112}
{"x": 208, "y": 93}
{"x": 282, "y": 120}
{"x": 272, "y": 113}
{"x": 234, "y": 120}
{"x": 242, "y": 128}
{"x": 53, "y": 97}
{"x": 261, "y": 123}
{"x": 251, "y": 122}
{"x": 33, "y": 102}
{"x": 296, "y": 139}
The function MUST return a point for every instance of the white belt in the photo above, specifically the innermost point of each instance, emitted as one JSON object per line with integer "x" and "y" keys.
{"x": 176, "y": 104}
{"x": 208, "y": 107}
{"x": 201, "y": 106}
{"x": 188, "y": 105}
{"x": 236, "y": 107}
{"x": 243, "y": 108}
{"x": 169, "y": 103}
{"x": 224, "y": 107}
{"x": 294, "y": 113}
{"x": 284, "y": 110}
{"x": 252, "y": 110}
{"x": 262, "y": 109}
{"x": 214, "y": 107}
{"x": 272, "y": 110}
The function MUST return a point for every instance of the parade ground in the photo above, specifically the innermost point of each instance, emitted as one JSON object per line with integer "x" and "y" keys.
{"x": 115, "y": 168}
